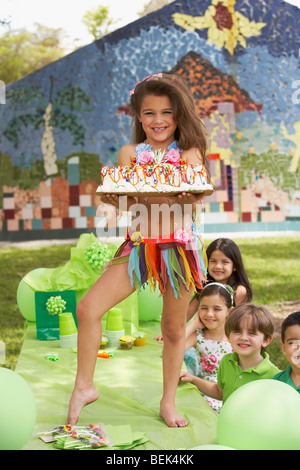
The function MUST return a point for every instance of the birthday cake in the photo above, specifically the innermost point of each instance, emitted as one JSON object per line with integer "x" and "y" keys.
{"x": 154, "y": 173}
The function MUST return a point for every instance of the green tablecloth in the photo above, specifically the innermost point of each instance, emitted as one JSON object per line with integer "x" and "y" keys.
{"x": 130, "y": 387}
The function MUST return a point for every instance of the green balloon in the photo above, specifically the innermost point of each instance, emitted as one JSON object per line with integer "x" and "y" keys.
{"x": 149, "y": 304}
{"x": 212, "y": 447}
{"x": 25, "y": 297}
{"x": 261, "y": 415}
{"x": 17, "y": 410}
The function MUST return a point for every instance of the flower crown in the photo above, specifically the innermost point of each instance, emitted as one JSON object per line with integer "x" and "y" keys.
{"x": 155, "y": 76}
{"x": 226, "y": 287}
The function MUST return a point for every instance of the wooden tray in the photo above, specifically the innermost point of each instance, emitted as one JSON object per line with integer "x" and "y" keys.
{"x": 207, "y": 192}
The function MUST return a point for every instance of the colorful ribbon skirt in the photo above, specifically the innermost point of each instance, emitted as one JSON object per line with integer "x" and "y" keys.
{"x": 179, "y": 259}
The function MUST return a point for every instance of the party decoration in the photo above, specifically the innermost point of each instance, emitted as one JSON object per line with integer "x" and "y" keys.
{"x": 52, "y": 357}
{"x": 103, "y": 355}
{"x": 80, "y": 293}
{"x": 67, "y": 331}
{"x": 55, "y": 305}
{"x": 130, "y": 314}
{"x": 17, "y": 410}
{"x": 80, "y": 272}
{"x": 77, "y": 437}
{"x": 47, "y": 325}
{"x": 150, "y": 304}
{"x": 120, "y": 437}
{"x": 104, "y": 342}
{"x": 261, "y": 415}
{"x": 97, "y": 255}
{"x": 25, "y": 295}
{"x": 139, "y": 338}
{"x": 126, "y": 342}
{"x": 114, "y": 327}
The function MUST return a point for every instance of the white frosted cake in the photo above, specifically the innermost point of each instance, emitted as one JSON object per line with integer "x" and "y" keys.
{"x": 158, "y": 180}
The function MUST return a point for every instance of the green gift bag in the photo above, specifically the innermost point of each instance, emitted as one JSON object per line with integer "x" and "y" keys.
{"x": 47, "y": 326}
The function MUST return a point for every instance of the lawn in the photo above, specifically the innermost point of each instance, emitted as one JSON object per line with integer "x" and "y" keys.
{"x": 272, "y": 264}
{"x": 14, "y": 264}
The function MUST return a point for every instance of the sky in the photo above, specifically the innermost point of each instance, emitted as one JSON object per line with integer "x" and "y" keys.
{"x": 68, "y": 14}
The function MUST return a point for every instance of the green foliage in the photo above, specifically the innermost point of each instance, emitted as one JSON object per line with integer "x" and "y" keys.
{"x": 13, "y": 175}
{"x": 98, "y": 22}
{"x": 23, "y": 52}
{"x": 70, "y": 97}
{"x": 73, "y": 98}
{"x": 30, "y": 175}
{"x": 14, "y": 126}
{"x": 273, "y": 165}
{"x": 23, "y": 96}
{"x": 89, "y": 165}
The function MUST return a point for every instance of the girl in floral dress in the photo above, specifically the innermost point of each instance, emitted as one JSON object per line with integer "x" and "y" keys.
{"x": 167, "y": 255}
{"x": 206, "y": 334}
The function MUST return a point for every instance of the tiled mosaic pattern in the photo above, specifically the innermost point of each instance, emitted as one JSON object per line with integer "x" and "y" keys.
{"x": 60, "y": 124}
{"x": 56, "y": 203}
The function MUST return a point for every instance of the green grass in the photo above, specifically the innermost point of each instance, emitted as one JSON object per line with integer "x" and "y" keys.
{"x": 272, "y": 264}
{"x": 14, "y": 264}
{"x": 273, "y": 267}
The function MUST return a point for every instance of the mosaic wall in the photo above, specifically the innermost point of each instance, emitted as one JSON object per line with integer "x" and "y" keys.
{"x": 59, "y": 125}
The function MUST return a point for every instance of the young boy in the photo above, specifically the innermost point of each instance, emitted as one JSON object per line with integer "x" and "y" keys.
{"x": 249, "y": 329}
{"x": 290, "y": 345}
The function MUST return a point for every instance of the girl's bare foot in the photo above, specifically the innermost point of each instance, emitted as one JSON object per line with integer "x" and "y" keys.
{"x": 80, "y": 398}
{"x": 171, "y": 417}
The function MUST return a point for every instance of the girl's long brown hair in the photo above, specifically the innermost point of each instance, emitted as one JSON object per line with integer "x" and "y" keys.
{"x": 190, "y": 130}
{"x": 231, "y": 251}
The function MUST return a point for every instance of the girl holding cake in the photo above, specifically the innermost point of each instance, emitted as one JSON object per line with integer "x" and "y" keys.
{"x": 169, "y": 256}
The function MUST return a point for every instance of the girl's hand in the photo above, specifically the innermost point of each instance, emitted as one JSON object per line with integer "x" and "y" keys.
{"x": 112, "y": 199}
{"x": 198, "y": 323}
{"x": 186, "y": 377}
{"x": 185, "y": 198}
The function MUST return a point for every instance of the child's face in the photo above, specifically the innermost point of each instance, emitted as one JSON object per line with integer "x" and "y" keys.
{"x": 157, "y": 119}
{"x": 213, "y": 311}
{"x": 246, "y": 342}
{"x": 220, "y": 267}
{"x": 291, "y": 345}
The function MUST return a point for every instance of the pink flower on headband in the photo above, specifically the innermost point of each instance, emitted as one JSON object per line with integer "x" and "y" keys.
{"x": 132, "y": 91}
{"x": 152, "y": 77}
{"x": 146, "y": 157}
{"x": 149, "y": 77}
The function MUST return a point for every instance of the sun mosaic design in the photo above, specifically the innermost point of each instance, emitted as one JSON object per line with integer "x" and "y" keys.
{"x": 225, "y": 26}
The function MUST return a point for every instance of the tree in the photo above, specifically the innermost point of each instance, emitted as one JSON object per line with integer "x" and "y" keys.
{"x": 98, "y": 22}
{"x": 49, "y": 114}
{"x": 22, "y": 52}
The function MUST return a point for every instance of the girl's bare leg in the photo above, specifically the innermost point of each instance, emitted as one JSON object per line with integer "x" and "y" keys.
{"x": 110, "y": 289}
{"x": 173, "y": 325}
